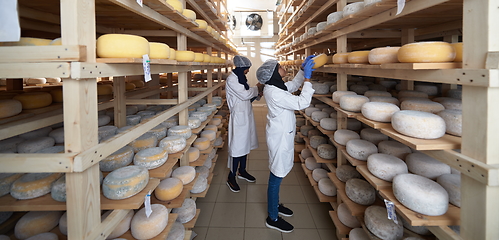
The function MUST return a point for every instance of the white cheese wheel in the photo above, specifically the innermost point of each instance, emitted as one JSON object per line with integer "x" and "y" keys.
{"x": 340, "y": 58}
{"x": 58, "y": 135}
{"x": 103, "y": 120}
{"x": 358, "y": 234}
{"x": 185, "y": 56}
{"x": 353, "y": 103}
{"x": 360, "y": 191}
{"x": 345, "y": 216}
{"x": 346, "y": 172}
{"x": 385, "y": 99}
{"x": 383, "y": 55}
{"x": 310, "y": 110}
{"x": 10, "y": 144}
{"x": 326, "y": 151}
{"x": 189, "y": 14}
{"x": 122, "y": 227}
{"x": 342, "y": 136}
{"x": 169, "y": 189}
{"x": 359, "y": 89}
{"x": 33, "y": 185}
{"x": 44, "y": 236}
{"x": 209, "y": 134}
{"x": 193, "y": 154}
{"x": 143, "y": 227}
{"x": 377, "y": 87}
{"x": 125, "y": 182}
{"x": 315, "y": 141}
{"x": 452, "y": 184}
{"x": 33, "y": 100}
{"x": 385, "y": 166}
{"x": 10, "y": 107}
{"x": 328, "y": 123}
{"x": 202, "y": 116}
{"x": 118, "y": 159}
{"x": 185, "y": 173}
{"x": 158, "y": 50}
{"x": 379, "y": 111}
{"x": 187, "y": 212}
{"x": 151, "y": 158}
{"x": 420, "y": 194}
{"x": 426, "y": 166}
{"x": 411, "y": 93}
{"x": 394, "y": 148}
{"x": 455, "y": 93}
{"x": 327, "y": 187}
{"x": 453, "y": 121}
{"x": 181, "y": 130}
{"x": 6, "y": 181}
{"x": 33, "y": 223}
{"x": 372, "y": 135}
{"x": 147, "y": 140}
{"x": 360, "y": 149}
{"x": 170, "y": 122}
{"x": 319, "y": 173}
{"x": 321, "y": 26}
{"x": 63, "y": 223}
{"x": 130, "y": 110}
{"x": 334, "y": 17}
{"x": 200, "y": 185}
{"x": 320, "y": 88}
{"x": 352, "y": 8}
{"x": 418, "y": 124}
{"x": 203, "y": 171}
{"x": 426, "y": 52}
{"x": 376, "y": 220}
{"x": 158, "y": 131}
{"x": 339, "y": 94}
{"x": 215, "y": 121}
{"x": 311, "y": 163}
{"x": 58, "y": 189}
{"x": 431, "y": 90}
{"x": 177, "y": 232}
{"x": 121, "y": 46}
{"x": 173, "y": 144}
{"x": 421, "y": 230}
{"x": 202, "y": 143}
{"x": 306, "y": 153}
{"x": 358, "y": 57}
{"x": 311, "y": 31}
{"x": 35, "y": 144}
{"x": 422, "y": 105}
{"x": 106, "y": 131}
{"x": 372, "y": 93}
{"x": 449, "y": 103}
{"x": 54, "y": 149}
{"x": 209, "y": 110}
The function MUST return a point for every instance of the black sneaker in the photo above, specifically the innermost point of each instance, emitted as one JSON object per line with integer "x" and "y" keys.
{"x": 233, "y": 186}
{"x": 284, "y": 211}
{"x": 279, "y": 225}
{"x": 246, "y": 176}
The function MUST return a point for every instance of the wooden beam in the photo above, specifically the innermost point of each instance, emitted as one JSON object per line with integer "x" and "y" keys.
{"x": 151, "y": 33}
{"x": 35, "y": 163}
{"x": 376, "y": 34}
{"x": 109, "y": 224}
{"x": 119, "y": 101}
{"x": 152, "y": 101}
{"x": 52, "y": 53}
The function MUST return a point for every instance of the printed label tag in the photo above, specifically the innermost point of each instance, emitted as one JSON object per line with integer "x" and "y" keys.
{"x": 147, "y": 203}
{"x": 139, "y": 2}
{"x": 146, "y": 63}
{"x": 390, "y": 209}
{"x": 400, "y": 6}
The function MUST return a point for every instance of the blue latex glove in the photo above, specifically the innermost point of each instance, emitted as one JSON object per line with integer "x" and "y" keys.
{"x": 308, "y": 69}
{"x": 306, "y": 61}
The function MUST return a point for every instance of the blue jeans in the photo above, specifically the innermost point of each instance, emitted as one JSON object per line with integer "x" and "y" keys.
{"x": 273, "y": 196}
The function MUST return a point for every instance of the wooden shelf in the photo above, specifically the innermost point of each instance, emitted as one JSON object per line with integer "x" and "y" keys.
{"x": 348, "y": 113}
{"x": 356, "y": 209}
{"x": 136, "y": 60}
{"x": 319, "y": 159}
{"x": 443, "y": 143}
{"x": 190, "y": 224}
{"x": 172, "y": 217}
{"x": 353, "y": 161}
{"x": 373, "y": 124}
{"x": 311, "y": 179}
{"x": 208, "y": 150}
{"x": 329, "y": 101}
{"x": 323, "y": 198}
{"x": 306, "y": 170}
{"x": 328, "y": 133}
{"x": 340, "y": 227}
{"x": 374, "y": 181}
{"x": 422, "y": 66}
{"x": 202, "y": 158}
{"x": 163, "y": 170}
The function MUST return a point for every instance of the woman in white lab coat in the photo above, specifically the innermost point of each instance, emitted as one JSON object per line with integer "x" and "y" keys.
{"x": 281, "y": 129}
{"x": 242, "y": 130}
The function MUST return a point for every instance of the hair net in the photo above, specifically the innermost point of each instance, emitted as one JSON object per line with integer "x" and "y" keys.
{"x": 241, "y": 61}
{"x": 264, "y": 72}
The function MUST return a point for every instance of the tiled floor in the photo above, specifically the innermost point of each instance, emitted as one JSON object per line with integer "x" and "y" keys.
{"x": 238, "y": 216}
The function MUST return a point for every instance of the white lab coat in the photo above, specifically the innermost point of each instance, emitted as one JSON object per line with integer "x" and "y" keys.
{"x": 242, "y": 129}
{"x": 281, "y": 122}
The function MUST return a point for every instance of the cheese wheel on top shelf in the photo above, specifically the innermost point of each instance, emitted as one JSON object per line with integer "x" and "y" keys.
{"x": 169, "y": 189}
{"x": 426, "y": 52}
{"x": 173, "y": 144}
{"x": 151, "y": 158}
{"x": 33, "y": 100}
{"x": 144, "y": 227}
{"x": 125, "y": 182}
{"x": 118, "y": 159}
{"x": 10, "y": 107}
{"x": 359, "y": 57}
{"x": 378, "y": 56}
{"x": 158, "y": 51}
{"x": 193, "y": 154}
{"x": 418, "y": 124}
{"x": 202, "y": 143}
{"x": 185, "y": 173}
{"x": 33, "y": 223}
{"x": 121, "y": 46}
{"x": 340, "y": 58}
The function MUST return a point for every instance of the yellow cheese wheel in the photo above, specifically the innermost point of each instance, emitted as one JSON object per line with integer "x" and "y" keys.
{"x": 33, "y": 223}
{"x": 358, "y": 57}
{"x": 158, "y": 50}
{"x": 193, "y": 154}
{"x": 173, "y": 54}
{"x": 189, "y": 14}
{"x": 34, "y": 100}
{"x": 169, "y": 189}
{"x": 206, "y": 58}
{"x": 185, "y": 56}
{"x": 147, "y": 140}
{"x": 176, "y": 4}
{"x": 57, "y": 41}
{"x": 198, "y": 57}
{"x": 202, "y": 143}
{"x": 138, "y": 83}
{"x": 57, "y": 95}
{"x": 144, "y": 227}
{"x": 340, "y": 58}
{"x": 202, "y": 23}
{"x": 209, "y": 29}
{"x": 129, "y": 86}
{"x": 33, "y": 185}
{"x": 10, "y": 107}
{"x": 27, "y": 41}
{"x": 121, "y": 46}
{"x": 458, "y": 47}
{"x": 382, "y": 55}
{"x": 104, "y": 89}
{"x": 320, "y": 60}
{"x": 426, "y": 52}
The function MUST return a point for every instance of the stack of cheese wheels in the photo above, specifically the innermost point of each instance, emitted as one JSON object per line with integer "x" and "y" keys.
{"x": 158, "y": 51}
{"x": 426, "y": 166}
{"x": 345, "y": 216}
{"x": 118, "y": 159}
{"x": 173, "y": 144}
{"x": 122, "y": 227}
{"x": 33, "y": 100}
{"x": 33, "y": 185}
{"x": 426, "y": 52}
{"x": 147, "y": 227}
{"x": 379, "y": 111}
{"x": 359, "y": 57}
{"x": 385, "y": 166}
{"x": 378, "y": 223}
{"x": 319, "y": 60}
{"x": 151, "y": 158}
{"x": 394, "y": 148}
{"x": 122, "y": 46}
{"x": 360, "y": 191}
{"x": 10, "y": 107}
{"x": 383, "y": 55}
{"x": 169, "y": 189}
{"x": 125, "y": 182}
{"x": 340, "y": 58}
{"x": 176, "y": 4}
{"x": 418, "y": 124}
{"x": 6, "y": 180}
{"x": 187, "y": 211}
{"x": 185, "y": 173}
{"x": 372, "y": 135}
{"x": 346, "y": 172}
{"x": 34, "y": 223}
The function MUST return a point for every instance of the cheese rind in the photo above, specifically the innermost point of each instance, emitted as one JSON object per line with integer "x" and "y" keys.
{"x": 376, "y": 220}
{"x": 125, "y": 182}
{"x": 345, "y": 216}
{"x": 359, "y": 57}
{"x": 353, "y": 103}
{"x": 339, "y": 94}
{"x": 394, "y": 148}
{"x": 118, "y": 159}
{"x": 319, "y": 173}
{"x": 200, "y": 185}
{"x": 158, "y": 50}
{"x": 10, "y": 107}
{"x": 151, "y": 158}
{"x": 169, "y": 189}
{"x": 121, "y": 46}
{"x": 452, "y": 184}
{"x": 185, "y": 173}
{"x": 426, "y": 166}
{"x": 147, "y": 140}
{"x": 422, "y": 105}
{"x": 58, "y": 189}
{"x": 360, "y": 191}
{"x": 209, "y": 134}
{"x": 346, "y": 172}
{"x": 319, "y": 60}
{"x": 6, "y": 181}
{"x": 327, "y": 187}
{"x": 173, "y": 144}
{"x": 372, "y": 135}
{"x": 143, "y": 227}
{"x": 33, "y": 100}
{"x": 181, "y": 130}
{"x": 33, "y": 223}
{"x": 185, "y": 56}
{"x": 326, "y": 151}
{"x": 193, "y": 154}
{"x": 187, "y": 211}
{"x": 340, "y": 58}
{"x": 315, "y": 141}
{"x": 33, "y": 185}
{"x": 202, "y": 143}
{"x": 418, "y": 124}
{"x": 360, "y": 149}
{"x": 383, "y": 55}
{"x": 453, "y": 121}
{"x": 342, "y": 136}
{"x": 334, "y": 17}
{"x": 328, "y": 123}
{"x": 352, "y": 8}
{"x": 426, "y": 52}
{"x": 385, "y": 166}
{"x": 379, "y": 111}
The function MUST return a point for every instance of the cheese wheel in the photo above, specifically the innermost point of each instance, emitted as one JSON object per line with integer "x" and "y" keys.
{"x": 58, "y": 189}
{"x": 57, "y": 135}
{"x": 185, "y": 56}
{"x": 358, "y": 234}
{"x": 321, "y": 26}
{"x": 315, "y": 141}
{"x": 35, "y": 144}
{"x": 431, "y": 90}
{"x": 426, "y": 52}
{"x": 353, "y": 103}
{"x": 125, "y": 182}
{"x": 334, "y": 17}
{"x": 53, "y": 149}
{"x": 122, "y": 227}
{"x": 146, "y": 113}
{"x": 44, "y": 236}
{"x": 327, "y": 187}
{"x": 207, "y": 59}
{"x": 338, "y": 94}
{"x": 177, "y": 232}
{"x": 202, "y": 116}
{"x": 33, "y": 100}
{"x": 360, "y": 191}
{"x": 310, "y": 110}
{"x": 176, "y": 4}
{"x": 158, "y": 51}
{"x": 449, "y": 103}
{"x": 394, "y": 148}
{"x": 193, "y": 122}
{"x": 181, "y": 130}
{"x": 342, "y": 136}
{"x": 35, "y": 81}
{"x": 329, "y": 124}
{"x": 103, "y": 120}
{"x": 144, "y": 227}
{"x": 372, "y": 135}
{"x": 169, "y": 189}
{"x": 426, "y": 166}
{"x": 379, "y": 111}
{"x": 147, "y": 140}
{"x": 359, "y": 89}
{"x": 106, "y": 131}
{"x": 198, "y": 57}
{"x": 376, "y": 220}
{"x": 458, "y": 48}
{"x": 28, "y": 41}
{"x": 138, "y": 84}
{"x": 352, "y": 8}
{"x": 132, "y": 120}
{"x": 10, "y": 107}
{"x": 10, "y": 144}
{"x": 345, "y": 216}
{"x": 118, "y": 159}
{"x": 329, "y": 110}
{"x": 173, "y": 144}
{"x": 203, "y": 171}
{"x": 420, "y": 194}
{"x": 418, "y": 124}
{"x": 452, "y": 184}
{"x": 319, "y": 173}
{"x": 326, "y": 151}
{"x": 383, "y": 55}
{"x": 359, "y": 57}
{"x": 121, "y": 46}
{"x": 173, "y": 54}
{"x": 57, "y": 95}
{"x": 104, "y": 89}
{"x": 202, "y": 23}
{"x": 33, "y": 223}
{"x": 346, "y": 172}
{"x": 215, "y": 121}
{"x": 320, "y": 88}
{"x": 311, "y": 31}
{"x": 314, "y": 132}
{"x": 311, "y": 163}
{"x": 422, "y": 105}
{"x": 189, "y": 14}
{"x": 453, "y": 121}
{"x": 151, "y": 158}
{"x": 372, "y": 93}
{"x": 193, "y": 154}
{"x": 385, "y": 166}
{"x": 63, "y": 223}
{"x": 130, "y": 86}
{"x": 187, "y": 211}
{"x": 209, "y": 134}
{"x": 6, "y": 181}
{"x": 200, "y": 185}
{"x": 360, "y": 149}
{"x": 306, "y": 153}
{"x": 185, "y": 173}
{"x": 385, "y": 99}
{"x": 421, "y": 230}
{"x": 319, "y": 60}
{"x": 340, "y": 58}
{"x": 202, "y": 143}
{"x": 130, "y": 110}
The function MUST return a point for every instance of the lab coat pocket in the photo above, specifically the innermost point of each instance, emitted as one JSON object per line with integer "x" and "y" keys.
{"x": 240, "y": 118}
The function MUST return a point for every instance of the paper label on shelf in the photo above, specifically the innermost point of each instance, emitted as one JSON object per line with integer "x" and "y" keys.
{"x": 147, "y": 204}
{"x": 400, "y": 6}
{"x": 147, "y": 67}
{"x": 139, "y": 2}
{"x": 10, "y": 29}
{"x": 390, "y": 209}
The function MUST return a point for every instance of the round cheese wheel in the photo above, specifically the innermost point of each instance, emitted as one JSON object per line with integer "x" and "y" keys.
{"x": 334, "y": 17}
{"x": 151, "y": 158}
{"x": 391, "y": 100}
{"x": 177, "y": 232}
{"x": 328, "y": 123}
{"x": 421, "y": 230}
{"x": 422, "y": 105}
{"x": 215, "y": 121}
{"x": 203, "y": 171}
{"x": 63, "y": 223}
{"x": 130, "y": 86}
{"x": 298, "y": 139}
{"x": 376, "y": 220}
{"x": 319, "y": 173}
{"x": 311, "y": 163}
{"x": 169, "y": 189}
{"x": 181, "y": 130}
{"x": 185, "y": 56}
{"x": 327, "y": 187}
{"x": 449, "y": 103}
{"x": 200, "y": 185}
{"x": 103, "y": 120}
{"x": 372, "y": 135}
{"x": 431, "y": 90}
{"x": 352, "y": 8}
{"x": 185, "y": 173}
{"x": 44, "y": 236}
{"x": 420, "y": 194}
{"x": 138, "y": 84}
{"x": 122, "y": 227}
{"x": 118, "y": 159}
{"x": 315, "y": 141}
{"x": 173, "y": 54}
{"x": 57, "y": 135}
{"x": 10, "y": 107}
{"x": 346, "y": 172}
{"x": 158, "y": 51}
{"x": 189, "y": 14}
{"x": 321, "y": 26}
{"x": 209, "y": 134}
{"x": 300, "y": 121}
{"x": 130, "y": 110}
{"x": 342, "y": 136}
{"x": 453, "y": 121}
{"x": 158, "y": 131}
{"x": 314, "y": 132}
{"x": 202, "y": 143}
{"x": 193, "y": 154}
{"x": 385, "y": 166}
{"x": 35, "y": 144}
{"x": 326, "y": 151}
{"x": 147, "y": 140}
{"x": 452, "y": 184}
{"x": 426, "y": 166}
{"x": 173, "y": 144}
{"x": 339, "y": 94}
{"x": 306, "y": 153}
{"x": 106, "y": 131}
{"x": 319, "y": 60}
{"x": 418, "y": 124}
{"x": 311, "y": 31}
{"x": 121, "y": 46}
{"x": 340, "y": 58}
{"x": 426, "y": 52}
{"x": 328, "y": 110}
{"x": 371, "y": 93}
{"x": 345, "y": 216}
{"x": 320, "y": 88}
{"x": 360, "y": 191}
{"x": 6, "y": 181}
{"x": 310, "y": 110}
{"x": 34, "y": 223}
{"x": 57, "y": 95}
{"x": 198, "y": 57}
{"x": 359, "y": 57}
{"x": 394, "y": 148}
{"x": 202, "y": 116}
{"x": 144, "y": 227}
{"x": 353, "y": 103}
{"x": 379, "y": 111}
{"x": 358, "y": 234}
{"x": 359, "y": 89}
{"x": 35, "y": 81}
{"x": 145, "y": 113}
{"x": 132, "y": 120}
{"x": 33, "y": 100}
{"x": 125, "y": 182}
{"x": 187, "y": 212}
{"x": 176, "y": 4}
{"x": 58, "y": 189}
{"x": 383, "y": 55}
{"x": 202, "y": 23}
{"x": 458, "y": 48}
{"x": 170, "y": 122}
{"x": 360, "y": 149}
